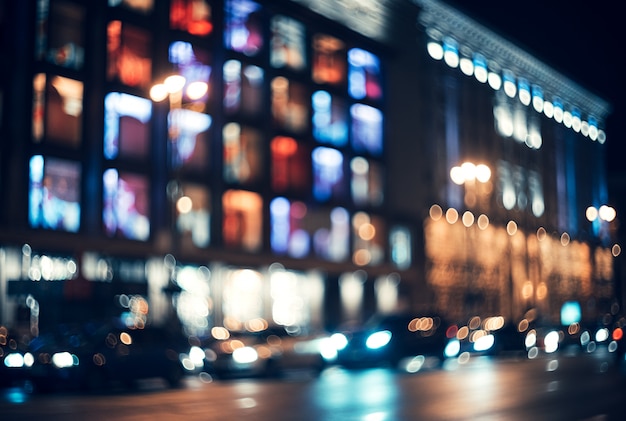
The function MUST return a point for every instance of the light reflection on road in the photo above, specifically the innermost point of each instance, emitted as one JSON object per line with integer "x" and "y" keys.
{"x": 369, "y": 395}
{"x": 551, "y": 388}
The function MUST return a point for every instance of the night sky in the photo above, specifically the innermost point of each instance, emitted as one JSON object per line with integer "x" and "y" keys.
{"x": 583, "y": 40}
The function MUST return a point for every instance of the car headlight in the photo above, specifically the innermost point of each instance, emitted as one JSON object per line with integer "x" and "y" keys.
{"x": 484, "y": 343}
{"x": 14, "y": 360}
{"x": 328, "y": 349}
{"x": 339, "y": 341}
{"x": 194, "y": 359}
{"x": 378, "y": 339}
{"x": 551, "y": 341}
{"x": 602, "y": 334}
{"x": 196, "y": 355}
{"x": 452, "y": 348}
{"x": 245, "y": 355}
{"x": 64, "y": 359}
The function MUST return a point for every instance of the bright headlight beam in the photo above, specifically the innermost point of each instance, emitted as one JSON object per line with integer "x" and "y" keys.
{"x": 484, "y": 343}
{"x": 378, "y": 339}
{"x": 245, "y": 355}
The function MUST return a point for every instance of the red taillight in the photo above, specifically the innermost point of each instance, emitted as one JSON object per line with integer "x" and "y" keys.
{"x": 618, "y": 334}
{"x": 451, "y": 331}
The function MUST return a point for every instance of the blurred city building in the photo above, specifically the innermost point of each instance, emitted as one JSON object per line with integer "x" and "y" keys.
{"x": 312, "y": 163}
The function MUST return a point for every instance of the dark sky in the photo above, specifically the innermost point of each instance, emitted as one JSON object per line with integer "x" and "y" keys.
{"x": 583, "y": 40}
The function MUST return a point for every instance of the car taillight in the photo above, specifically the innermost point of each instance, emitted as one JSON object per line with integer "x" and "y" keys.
{"x": 618, "y": 334}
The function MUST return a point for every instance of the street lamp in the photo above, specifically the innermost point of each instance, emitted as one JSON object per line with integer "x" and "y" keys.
{"x": 469, "y": 175}
{"x": 604, "y": 213}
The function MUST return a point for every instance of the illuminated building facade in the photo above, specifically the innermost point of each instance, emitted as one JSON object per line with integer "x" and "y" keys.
{"x": 300, "y": 173}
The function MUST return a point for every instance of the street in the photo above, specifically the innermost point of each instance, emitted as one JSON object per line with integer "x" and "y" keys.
{"x": 587, "y": 387}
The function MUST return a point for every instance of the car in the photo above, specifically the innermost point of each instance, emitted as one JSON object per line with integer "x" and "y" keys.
{"x": 94, "y": 357}
{"x": 397, "y": 340}
{"x": 15, "y": 360}
{"x": 491, "y": 336}
{"x": 267, "y": 351}
{"x": 607, "y": 335}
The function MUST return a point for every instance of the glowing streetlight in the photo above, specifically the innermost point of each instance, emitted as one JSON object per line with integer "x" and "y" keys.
{"x": 173, "y": 87}
{"x": 604, "y": 212}
{"x": 468, "y": 172}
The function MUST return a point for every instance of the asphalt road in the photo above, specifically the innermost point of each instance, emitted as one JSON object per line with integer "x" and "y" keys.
{"x": 585, "y": 388}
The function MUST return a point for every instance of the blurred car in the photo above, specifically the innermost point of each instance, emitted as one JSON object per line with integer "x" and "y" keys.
{"x": 390, "y": 340}
{"x": 265, "y": 352}
{"x": 607, "y": 335}
{"x": 93, "y": 357}
{"x": 544, "y": 339}
{"x": 15, "y": 360}
{"x": 486, "y": 336}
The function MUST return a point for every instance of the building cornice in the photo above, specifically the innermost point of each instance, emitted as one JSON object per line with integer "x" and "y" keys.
{"x": 370, "y": 18}
{"x": 438, "y": 17}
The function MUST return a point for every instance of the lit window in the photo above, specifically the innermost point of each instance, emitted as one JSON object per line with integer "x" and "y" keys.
{"x": 368, "y": 239}
{"x": 193, "y": 210}
{"x": 288, "y": 43}
{"x": 364, "y": 75}
{"x": 533, "y": 138}
{"x": 193, "y": 303}
{"x": 54, "y": 194}
{"x": 520, "y": 124}
{"x": 137, "y": 5}
{"x": 126, "y": 205}
{"x": 400, "y": 245}
{"x": 126, "y": 125}
{"x": 386, "y": 288}
{"x": 297, "y": 230}
{"x": 190, "y": 144}
{"x": 506, "y": 185}
{"x": 57, "y": 109}
{"x": 329, "y": 59}
{"x": 289, "y": 104}
{"x": 290, "y": 231}
{"x": 291, "y": 165}
{"x": 193, "y": 16}
{"x": 242, "y": 298}
{"x": 330, "y": 123}
{"x": 60, "y": 37}
{"x": 328, "y": 173}
{"x": 193, "y": 64}
{"x": 243, "y": 154}
{"x": 129, "y": 52}
{"x": 367, "y": 129}
{"x": 330, "y": 232}
{"x": 366, "y": 183}
{"x": 503, "y": 116}
{"x": 243, "y": 32}
{"x": 242, "y": 224}
{"x": 535, "y": 191}
{"x": 297, "y": 298}
{"x": 243, "y": 88}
